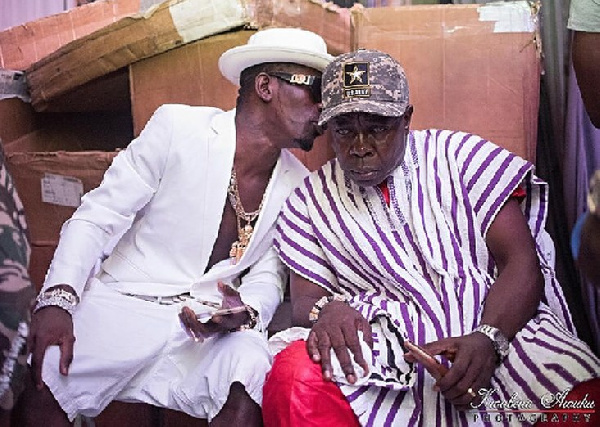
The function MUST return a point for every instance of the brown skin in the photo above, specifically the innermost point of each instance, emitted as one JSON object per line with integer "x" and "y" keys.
{"x": 586, "y": 61}
{"x": 274, "y": 116}
{"x": 369, "y": 147}
{"x": 589, "y": 250}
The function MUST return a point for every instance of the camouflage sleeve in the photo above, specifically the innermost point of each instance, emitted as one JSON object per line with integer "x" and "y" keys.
{"x": 16, "y": 291}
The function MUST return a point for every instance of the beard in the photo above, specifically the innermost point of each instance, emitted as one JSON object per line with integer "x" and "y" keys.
{"x": 304, "y": 144}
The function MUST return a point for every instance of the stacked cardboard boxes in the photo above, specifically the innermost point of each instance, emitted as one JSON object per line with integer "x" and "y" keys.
{"x": 23, "y": 45}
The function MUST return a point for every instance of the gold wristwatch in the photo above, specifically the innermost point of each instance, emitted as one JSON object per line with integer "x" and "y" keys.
{"x": 593, "y": 198}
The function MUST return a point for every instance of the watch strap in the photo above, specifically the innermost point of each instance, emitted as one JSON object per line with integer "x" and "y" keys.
{"x": 499, "y": 341}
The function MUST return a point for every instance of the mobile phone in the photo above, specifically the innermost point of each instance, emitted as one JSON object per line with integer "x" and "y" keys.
{"x": 433, "y": 366}
{"x": 204, "y": 317}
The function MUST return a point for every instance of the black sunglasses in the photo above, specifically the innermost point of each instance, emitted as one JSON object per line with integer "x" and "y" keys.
{"x": 312, "y": 82}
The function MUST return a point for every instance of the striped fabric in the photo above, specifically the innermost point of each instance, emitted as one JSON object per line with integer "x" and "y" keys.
{"x": 420, "y": 269}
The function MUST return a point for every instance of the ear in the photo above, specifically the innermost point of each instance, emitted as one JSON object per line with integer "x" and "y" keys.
{"x": 263, "y": 86}
{"x": 408, "y": 115}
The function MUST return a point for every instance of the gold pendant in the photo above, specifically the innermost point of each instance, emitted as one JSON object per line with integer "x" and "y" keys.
{"x": 246, "y": 234}
{"x": 233, "y": 250}
{"x": 236, "y": 252}
{"x": 238, "y": 248}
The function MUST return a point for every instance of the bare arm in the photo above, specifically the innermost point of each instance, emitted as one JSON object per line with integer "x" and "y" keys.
{"x": 511, "y": 302}
{"x": 586, "y": 61}
{"x": 589, "y": 249}
{"x": 516, "y": 293}
{"x": 303, "y": 294}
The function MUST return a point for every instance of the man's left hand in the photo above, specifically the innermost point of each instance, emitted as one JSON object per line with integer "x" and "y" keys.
{"x": 337, "y": 329}
{"x": 217, "y": 323}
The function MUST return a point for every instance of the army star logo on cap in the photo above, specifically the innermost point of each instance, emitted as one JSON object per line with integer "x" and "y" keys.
{"x": 356, "y": 79}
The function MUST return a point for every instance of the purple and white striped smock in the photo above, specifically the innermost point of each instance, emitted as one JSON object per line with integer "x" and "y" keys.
{"x": 421, "y": 269}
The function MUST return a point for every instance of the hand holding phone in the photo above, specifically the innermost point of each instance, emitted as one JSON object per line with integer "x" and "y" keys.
{"x": 206, "y": 316}
{"x": 433, "y": 366}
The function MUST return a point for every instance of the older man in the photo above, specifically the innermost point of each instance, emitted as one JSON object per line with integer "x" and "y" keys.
{"x": 195, "y": 198}
{"x": 415, "y": 237}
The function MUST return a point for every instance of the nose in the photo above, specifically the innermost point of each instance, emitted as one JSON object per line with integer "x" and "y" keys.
{"x": 361, "y": 147}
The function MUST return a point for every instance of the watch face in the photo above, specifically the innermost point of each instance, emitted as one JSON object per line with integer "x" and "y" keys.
{"x": 501, "y": 345}
{"x": 498, "y": 340}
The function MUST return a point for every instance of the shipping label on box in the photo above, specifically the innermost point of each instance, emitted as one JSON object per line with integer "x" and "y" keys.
{"x": 61, "y": 190}
{"x": 50, "y": 186}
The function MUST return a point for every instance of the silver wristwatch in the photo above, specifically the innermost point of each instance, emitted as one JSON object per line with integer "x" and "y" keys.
{"x": 499, "y": 341}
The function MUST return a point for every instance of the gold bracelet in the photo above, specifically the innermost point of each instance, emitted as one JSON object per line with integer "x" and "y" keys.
{"x": 313, "y": 315}
{"x": 251, "y": 323}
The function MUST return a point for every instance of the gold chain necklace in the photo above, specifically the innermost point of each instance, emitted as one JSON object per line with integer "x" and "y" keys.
{"x": 244, "y": 232}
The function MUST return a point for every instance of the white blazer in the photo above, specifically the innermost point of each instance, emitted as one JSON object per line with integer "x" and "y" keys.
{"x": 166, "y": 192}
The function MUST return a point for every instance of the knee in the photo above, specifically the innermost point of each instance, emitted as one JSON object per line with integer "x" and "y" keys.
{"x": 292, "y": 372}
{"x": 33, "y": 403}
{"x": 293, "y": 365}
{"x": 295, "y": 393}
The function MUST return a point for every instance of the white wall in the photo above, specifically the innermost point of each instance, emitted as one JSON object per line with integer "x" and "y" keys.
{"x": 15, "y": 12}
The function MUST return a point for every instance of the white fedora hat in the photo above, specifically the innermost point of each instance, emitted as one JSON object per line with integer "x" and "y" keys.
{"x": 275, "y": 45}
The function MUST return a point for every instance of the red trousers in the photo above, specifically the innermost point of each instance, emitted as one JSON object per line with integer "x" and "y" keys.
{"x": 295, "y": 394}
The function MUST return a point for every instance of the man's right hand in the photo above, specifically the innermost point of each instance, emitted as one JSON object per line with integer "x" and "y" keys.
{"x": 337, "y": 328}
{"x": 50, "y": 326}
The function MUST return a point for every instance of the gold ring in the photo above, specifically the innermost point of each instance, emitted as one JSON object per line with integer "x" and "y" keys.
{"x": 471, "y": 392}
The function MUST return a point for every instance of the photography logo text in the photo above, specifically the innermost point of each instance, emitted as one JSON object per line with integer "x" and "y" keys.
{"x": 550, "y": 407}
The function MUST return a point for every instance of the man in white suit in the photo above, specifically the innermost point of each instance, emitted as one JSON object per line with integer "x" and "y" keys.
{"x": 195, "y": 198}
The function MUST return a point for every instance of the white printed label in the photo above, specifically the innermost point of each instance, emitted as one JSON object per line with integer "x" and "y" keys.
{"x": 513, "y": 17}
{"x": 61, "y": 190}
{"x": 197, "y": 19}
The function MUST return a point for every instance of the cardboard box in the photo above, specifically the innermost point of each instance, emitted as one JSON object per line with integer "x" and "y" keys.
{"x": 17, "y": 118}
{"x": 23, "y": 45}
{"x": 104, "y": 131}
{"x": 130, "y": 39}
{"x": 325, "y": 18}
{"x": 171, "y": 24}
{"x": 186, "y": 75}
{"x": 39, "y": 262}
{"x": 474, "y": 68}
{"x": 72, "y": 174}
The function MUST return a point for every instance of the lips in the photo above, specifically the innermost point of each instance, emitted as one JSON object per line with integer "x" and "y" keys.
{"x": 364, "y": 173}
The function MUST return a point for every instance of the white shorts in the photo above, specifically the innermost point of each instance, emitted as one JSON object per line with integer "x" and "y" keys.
{"x": 132, "y": 350}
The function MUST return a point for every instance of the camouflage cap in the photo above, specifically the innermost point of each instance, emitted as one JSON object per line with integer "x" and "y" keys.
{"x": 367, "y": 81}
